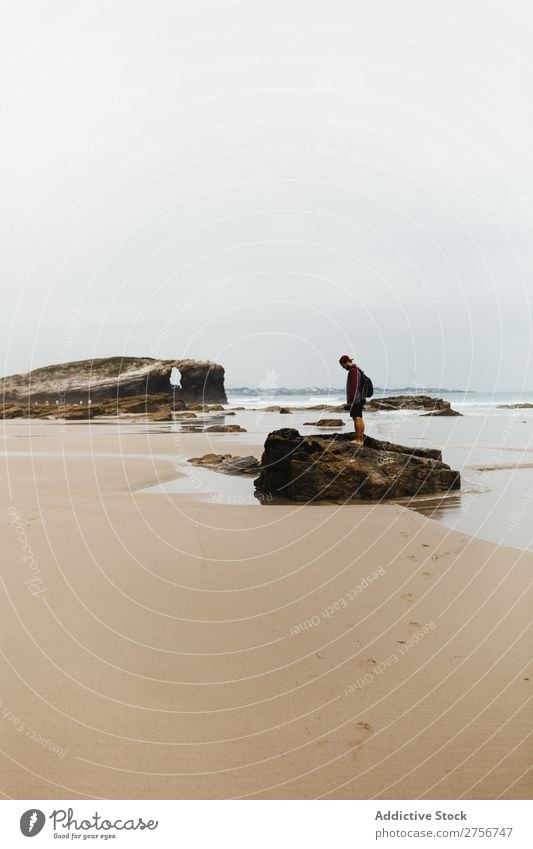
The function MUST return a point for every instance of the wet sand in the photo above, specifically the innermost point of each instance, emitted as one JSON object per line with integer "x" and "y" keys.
{"x": 154, "y": 646}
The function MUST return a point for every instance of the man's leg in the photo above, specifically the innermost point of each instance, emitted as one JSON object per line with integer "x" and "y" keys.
{"x": 359, "y": 427}
{"x": 356, "y": 413}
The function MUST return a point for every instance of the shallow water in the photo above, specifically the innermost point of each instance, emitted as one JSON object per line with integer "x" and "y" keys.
{"x": 495, "y": 503}
{"x": 208, "y": 486}
{"x": 501, "y": 512}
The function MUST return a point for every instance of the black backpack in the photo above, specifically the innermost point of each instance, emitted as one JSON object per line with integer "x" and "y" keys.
{"x": 367, "y": 387}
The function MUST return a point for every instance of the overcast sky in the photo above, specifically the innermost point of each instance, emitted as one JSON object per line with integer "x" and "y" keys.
{"x": 270, "y": 185}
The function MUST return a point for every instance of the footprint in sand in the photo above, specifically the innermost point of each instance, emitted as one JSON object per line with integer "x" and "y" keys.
{"x": 363, "y": 730}
{"x": 408, "y": 597}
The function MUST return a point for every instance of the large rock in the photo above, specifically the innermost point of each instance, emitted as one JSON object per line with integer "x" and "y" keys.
{"x": 201, "y": 381}
{"x": 117, "y": 378}
{"x": 407, "y": 402}
{"x": 330, "y": 467}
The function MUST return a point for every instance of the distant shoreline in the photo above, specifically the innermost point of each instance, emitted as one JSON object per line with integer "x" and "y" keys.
{"x": 317, "y": 390}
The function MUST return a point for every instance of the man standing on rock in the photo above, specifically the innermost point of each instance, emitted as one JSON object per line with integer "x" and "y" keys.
{"x": 354, "y": 397}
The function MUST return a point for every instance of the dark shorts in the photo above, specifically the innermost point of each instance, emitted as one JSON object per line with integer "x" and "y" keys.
{"x": 356, "y": 410}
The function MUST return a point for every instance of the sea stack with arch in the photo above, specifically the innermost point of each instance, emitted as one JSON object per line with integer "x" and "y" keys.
{"x": 113, "y": 378}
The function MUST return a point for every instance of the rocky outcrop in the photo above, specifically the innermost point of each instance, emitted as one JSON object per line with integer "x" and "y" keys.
{"x": 407, "y": 402}
{"x": 228, "y": 463}
{"x": 446, "y": 412}
{"x": 204, "y": 426}
{"x": 152, "y": 407}
{"x": 272, "y": 408}
{"x": 205, "y": 408}
{"x": 330, "y": 467}
{"x": 116, "y": 379}
{"x": 201, "y": 381}
{"x": 520, "y": 406}
{"x": 225, "y": 428}
{"x": 325, "y": 423}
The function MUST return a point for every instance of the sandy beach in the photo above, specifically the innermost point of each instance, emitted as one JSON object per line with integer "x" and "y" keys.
{"x": 154, "y": 646}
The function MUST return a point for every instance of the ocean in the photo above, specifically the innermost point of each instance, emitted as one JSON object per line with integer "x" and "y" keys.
{"x": 482, "y": 402}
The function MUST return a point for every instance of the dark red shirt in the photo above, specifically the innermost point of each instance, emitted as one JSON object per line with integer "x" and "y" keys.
{"x": 352, "y": 385}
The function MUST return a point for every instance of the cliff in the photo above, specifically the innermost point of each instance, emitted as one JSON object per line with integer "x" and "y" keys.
{"x": 114, "y": 378}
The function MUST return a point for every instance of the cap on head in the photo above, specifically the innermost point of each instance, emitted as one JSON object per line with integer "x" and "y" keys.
{"x": 344, "y": 359}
